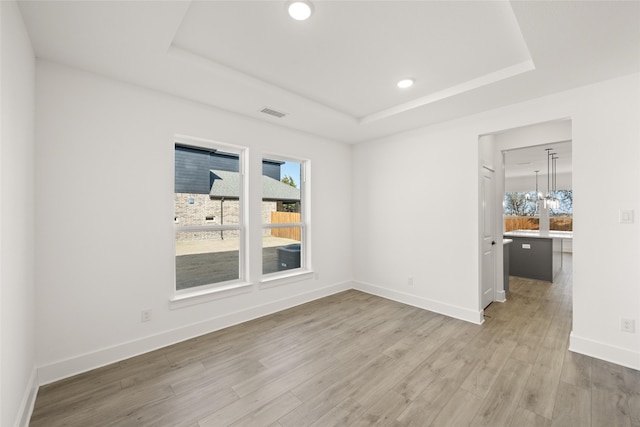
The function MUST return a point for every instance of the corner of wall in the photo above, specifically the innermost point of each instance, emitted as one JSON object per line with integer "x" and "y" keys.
{"x": 454, "y": 311}
{"x": 28, "y": 400}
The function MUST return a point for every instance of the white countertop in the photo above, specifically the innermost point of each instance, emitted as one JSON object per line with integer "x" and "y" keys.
{"x": 506, "y": 241}
{"x": 540, "y": 234}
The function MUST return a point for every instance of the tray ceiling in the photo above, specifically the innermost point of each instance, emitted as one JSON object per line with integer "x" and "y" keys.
{"x": 334, "y": 74}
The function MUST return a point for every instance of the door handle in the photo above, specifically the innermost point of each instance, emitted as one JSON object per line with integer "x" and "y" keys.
{"x": 493, "y": 242}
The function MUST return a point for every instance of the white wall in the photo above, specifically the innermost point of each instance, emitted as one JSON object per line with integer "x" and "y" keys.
{"x": 413, "y": 218}
{"x": 105, "y": 148}
{"x": 17, "y": 260}
{"x": 432, "y": 173}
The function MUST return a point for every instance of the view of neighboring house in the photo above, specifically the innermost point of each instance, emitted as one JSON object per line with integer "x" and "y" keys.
{"x": 207, "y": 193}
{"x": 207, "y": 187}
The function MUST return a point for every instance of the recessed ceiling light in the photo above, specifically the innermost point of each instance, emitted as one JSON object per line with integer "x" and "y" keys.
{"x": 405, "y": 83}
{"x": 300, "y": 10}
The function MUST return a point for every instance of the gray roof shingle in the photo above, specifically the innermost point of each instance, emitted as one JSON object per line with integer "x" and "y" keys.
{"x": 227, "y": 184}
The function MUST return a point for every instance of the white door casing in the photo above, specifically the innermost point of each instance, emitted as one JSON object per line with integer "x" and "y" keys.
{"x": 488, "y": 238}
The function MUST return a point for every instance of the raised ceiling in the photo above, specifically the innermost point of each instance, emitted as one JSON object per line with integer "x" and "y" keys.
{"x": 349, "y": 56}
{"x": 334, "y": 74}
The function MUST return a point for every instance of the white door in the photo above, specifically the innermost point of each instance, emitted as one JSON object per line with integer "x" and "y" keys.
{"x": 488, "y": 238}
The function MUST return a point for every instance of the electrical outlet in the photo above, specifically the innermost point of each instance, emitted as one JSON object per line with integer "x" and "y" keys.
{"x": 626, "y": 216}
{"x": 628, "y": 325}
{"x": 145, "y": 315}
{"x": 410, "y": 281}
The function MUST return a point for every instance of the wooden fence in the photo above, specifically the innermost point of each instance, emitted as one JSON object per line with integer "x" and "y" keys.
{"x": 562, "y": 223}
{"x": 292, "y": 233}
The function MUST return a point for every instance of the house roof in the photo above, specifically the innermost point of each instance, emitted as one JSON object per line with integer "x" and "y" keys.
{"x": 227, "y": 184}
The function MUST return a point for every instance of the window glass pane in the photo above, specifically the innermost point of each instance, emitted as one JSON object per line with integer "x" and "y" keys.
{"x": 207, "y": 195}
{"x": 521, "y": 211}
{"x": 203, "y": 258}
{"x": 281, "y": 184}
{"x": 281, "y": 249}
{"x": 207, "y": 187}
{"x": 561, "y": 219}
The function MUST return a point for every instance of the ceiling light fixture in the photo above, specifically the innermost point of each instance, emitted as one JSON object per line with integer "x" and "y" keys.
{"x": 300, "y": 10}
{"x": 537, "y": 195}
{"x": 405, "y": 83}
{"x": 550, "y": 200}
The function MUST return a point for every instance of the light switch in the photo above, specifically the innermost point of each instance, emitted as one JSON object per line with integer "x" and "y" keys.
{"x": 626, "y": 217}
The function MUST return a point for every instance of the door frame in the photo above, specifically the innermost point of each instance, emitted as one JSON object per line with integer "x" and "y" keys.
{"x": 491, "y": 153}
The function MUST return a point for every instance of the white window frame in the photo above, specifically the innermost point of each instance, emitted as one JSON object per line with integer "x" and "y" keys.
{"x": 203, "y": 293}
{"x": 305, "y": 270}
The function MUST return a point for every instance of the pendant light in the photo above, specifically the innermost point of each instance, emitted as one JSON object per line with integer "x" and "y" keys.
{"x": 550, "y": 201}
{"x": 555, "y": 201}
{"x": 536, "y": 195}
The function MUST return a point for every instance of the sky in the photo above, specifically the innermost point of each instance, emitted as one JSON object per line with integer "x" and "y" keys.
{"x": 293, "y": 170}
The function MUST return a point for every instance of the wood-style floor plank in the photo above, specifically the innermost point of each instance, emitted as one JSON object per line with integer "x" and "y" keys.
{"x": 384, "y": 412}
{"x": 499, "y": 407}
{"x": 573, "y": 406}
{"x": 459, "y": 411}
{"x": 354, "y": 359}
{"x": 525, "y": 418}
{"x": 427, "y": 405}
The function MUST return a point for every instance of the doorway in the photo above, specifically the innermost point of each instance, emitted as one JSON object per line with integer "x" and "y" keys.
{"x": 515, "y": 155}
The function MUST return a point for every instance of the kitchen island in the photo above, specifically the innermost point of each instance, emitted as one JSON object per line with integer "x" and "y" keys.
{"x": 536, "y": 254}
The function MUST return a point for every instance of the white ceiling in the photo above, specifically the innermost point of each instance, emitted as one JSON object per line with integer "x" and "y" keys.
{"x": 523, "y": 162}
{"x": 334, "y": 74}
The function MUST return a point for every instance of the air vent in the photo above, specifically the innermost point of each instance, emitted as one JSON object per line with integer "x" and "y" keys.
{"x": 272, "y": 112}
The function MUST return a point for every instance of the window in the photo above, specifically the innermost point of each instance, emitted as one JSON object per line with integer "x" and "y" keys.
{"x": 208, "y": 215}
{"x": 561, "y": 219}
{"x": 284, "y": 216}
{"x": 522, "y": 211}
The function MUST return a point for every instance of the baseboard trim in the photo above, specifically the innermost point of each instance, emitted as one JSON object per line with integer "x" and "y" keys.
{"x": 28, "y": 401}
{"x": 96, "y": 359}
{"x": 608, "y": 352}
{"x": 424, "y": 303}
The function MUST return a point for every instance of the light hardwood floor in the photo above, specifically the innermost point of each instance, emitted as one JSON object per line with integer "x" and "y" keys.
{"x": 354, "y": 359}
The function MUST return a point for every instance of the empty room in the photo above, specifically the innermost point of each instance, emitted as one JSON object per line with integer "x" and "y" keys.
{"x": 281, "y": 213}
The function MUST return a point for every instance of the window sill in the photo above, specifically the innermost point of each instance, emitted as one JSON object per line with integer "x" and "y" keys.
{"x": 285, "y": 278}
{"x": 205, "y": 295}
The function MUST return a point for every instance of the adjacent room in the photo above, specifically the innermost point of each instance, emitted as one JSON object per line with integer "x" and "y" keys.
{"x": 277, "y": 213}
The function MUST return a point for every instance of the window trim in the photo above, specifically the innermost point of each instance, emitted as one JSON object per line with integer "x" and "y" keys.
{"x": 305, "y": 270}
{"x": 216, "y": 290}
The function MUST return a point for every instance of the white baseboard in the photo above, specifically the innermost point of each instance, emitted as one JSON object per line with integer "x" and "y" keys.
{"x": 28, "y": 401}
{"x": 72, "y": 366}
{"x": 599, "y": 350}
{"x": 86, "y": 362}
{"x": 473, "y": 316}
{"x": 501, "y": 296}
